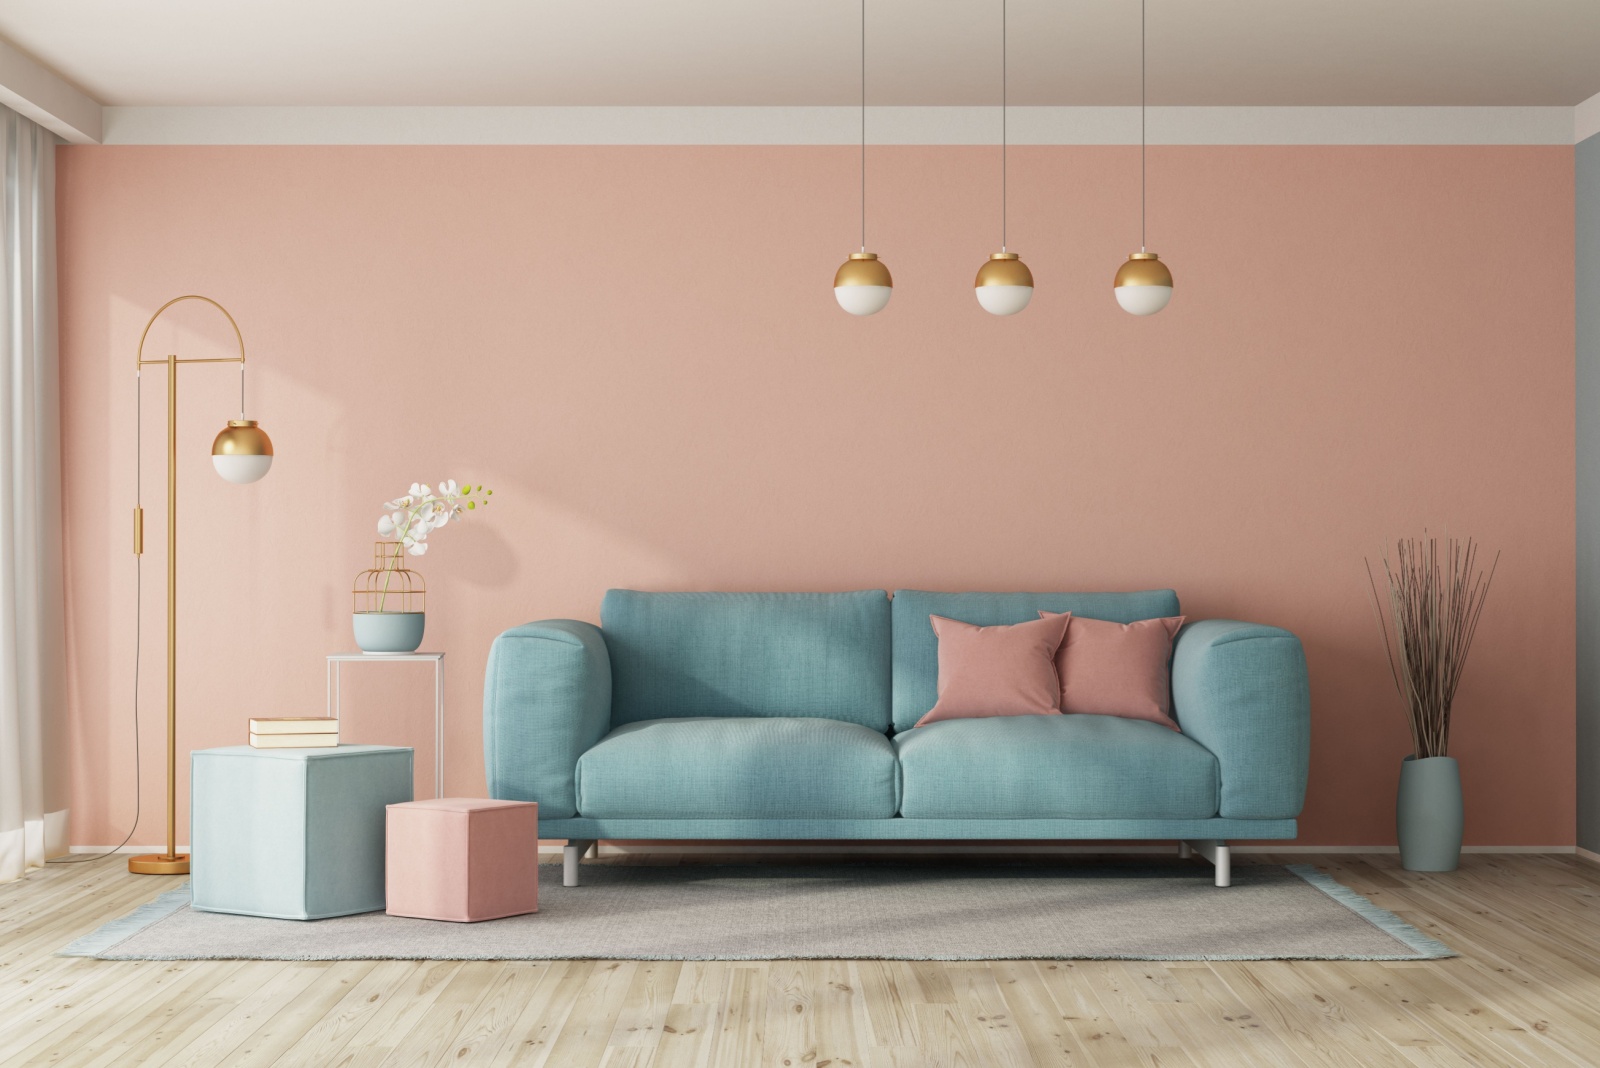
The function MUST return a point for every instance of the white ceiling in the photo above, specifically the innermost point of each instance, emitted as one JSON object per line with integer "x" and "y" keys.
{"x": 805, "y": 52}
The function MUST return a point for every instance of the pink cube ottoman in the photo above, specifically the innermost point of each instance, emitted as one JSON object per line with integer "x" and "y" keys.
{"x": 462, "y": 858}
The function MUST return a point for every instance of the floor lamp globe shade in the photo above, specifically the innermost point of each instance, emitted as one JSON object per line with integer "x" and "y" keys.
{"x": 1143, "y": 285}
{"x": 242, "y": 469}
{"x": 242, "y": 452}
{"x": 862, "y": 285}
{"x": 1004, "y": 285}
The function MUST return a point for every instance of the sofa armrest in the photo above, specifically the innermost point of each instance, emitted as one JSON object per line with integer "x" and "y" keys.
{"x": 546, "y": 701}
{"x": 1240, "y": 690}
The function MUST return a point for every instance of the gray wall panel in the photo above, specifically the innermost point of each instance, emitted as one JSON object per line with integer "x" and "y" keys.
{"x": 1588, "y": 398}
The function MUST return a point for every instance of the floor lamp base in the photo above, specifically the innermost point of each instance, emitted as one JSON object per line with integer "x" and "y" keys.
{"x": 159, "y": 864}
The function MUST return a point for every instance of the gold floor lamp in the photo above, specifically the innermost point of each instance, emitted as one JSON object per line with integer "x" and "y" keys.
{"x": 242, "y": 452}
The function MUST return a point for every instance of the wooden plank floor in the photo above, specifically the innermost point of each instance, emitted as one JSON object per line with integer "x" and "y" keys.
{"x": 1525, "y": 992}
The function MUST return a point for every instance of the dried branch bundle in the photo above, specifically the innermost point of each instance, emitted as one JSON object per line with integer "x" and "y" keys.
{"x": 1434, "y": 604}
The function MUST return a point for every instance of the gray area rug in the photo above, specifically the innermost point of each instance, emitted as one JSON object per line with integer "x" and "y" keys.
{"x": 858, "y": 912}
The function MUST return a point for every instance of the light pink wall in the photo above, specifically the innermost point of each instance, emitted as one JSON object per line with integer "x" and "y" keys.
{"x": 638, "y": 348}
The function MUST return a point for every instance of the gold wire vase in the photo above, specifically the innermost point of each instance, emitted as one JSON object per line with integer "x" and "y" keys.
{"x": 389, "y": 603}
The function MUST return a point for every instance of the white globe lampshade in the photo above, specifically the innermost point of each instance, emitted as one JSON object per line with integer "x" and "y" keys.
{"x": 862, "y": 285}
{"x": 1004, "y": 300}
{"x": 1004, "y": 285}
{"x": 863, "y": 300}
{"x": 242, "y": 452}
{"x": 1143, "y": 285}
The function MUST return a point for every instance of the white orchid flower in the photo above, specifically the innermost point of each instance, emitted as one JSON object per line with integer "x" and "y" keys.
{"x": 410, "y": 518}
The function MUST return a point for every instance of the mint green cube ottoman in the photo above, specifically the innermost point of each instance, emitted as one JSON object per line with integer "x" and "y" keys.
{"x": 292, "y": 834}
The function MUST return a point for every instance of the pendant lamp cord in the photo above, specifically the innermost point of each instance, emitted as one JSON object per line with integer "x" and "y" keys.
{"x": 863, "y": 125}
{"x": 1003, "y": 125}
{"x": 1141, "y": 128}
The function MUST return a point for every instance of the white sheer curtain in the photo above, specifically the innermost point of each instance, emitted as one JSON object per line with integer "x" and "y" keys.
{"x": 33, "y": 816}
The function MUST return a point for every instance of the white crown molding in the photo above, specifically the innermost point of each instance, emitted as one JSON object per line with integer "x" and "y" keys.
{"x": 833, "y": 126}
{"x": 1360, "y": 126}
{"x": 42, "y": 95}
{"x": 1586, "y": 119}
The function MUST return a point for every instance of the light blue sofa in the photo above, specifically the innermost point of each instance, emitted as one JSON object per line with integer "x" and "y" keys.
{"x": 792, "y": 715}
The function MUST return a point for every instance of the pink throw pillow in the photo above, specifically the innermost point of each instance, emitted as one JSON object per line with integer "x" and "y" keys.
{"x": 1118, "y": 669}
{"x": 997, "y": 671}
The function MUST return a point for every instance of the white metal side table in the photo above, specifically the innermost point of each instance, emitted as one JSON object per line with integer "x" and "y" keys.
{"x": 335, "y": 660}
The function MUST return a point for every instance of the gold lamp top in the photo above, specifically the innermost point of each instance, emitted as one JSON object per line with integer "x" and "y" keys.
{"x": 242, "y": 437}
{"x": 1004, "y": 269}
{"x": 1143, "y": 269}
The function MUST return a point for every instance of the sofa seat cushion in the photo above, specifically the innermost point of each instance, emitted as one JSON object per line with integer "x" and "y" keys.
{"x": 1054, "y": 767}
{"x": 739, "y": 768}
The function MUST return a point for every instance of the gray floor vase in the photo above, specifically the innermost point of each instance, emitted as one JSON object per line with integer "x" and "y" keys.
{"x": 860, "y": 911}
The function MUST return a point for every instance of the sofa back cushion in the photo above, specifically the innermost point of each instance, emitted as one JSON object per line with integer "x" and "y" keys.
{"x": 821, "y": 655}
{"x": 916, "y": 647}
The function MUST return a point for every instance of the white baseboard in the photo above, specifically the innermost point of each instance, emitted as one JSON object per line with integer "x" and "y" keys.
{"x": 1518, "y": 849}
{"x": 135, "y": 849}
{"x": 1587, "y": 854}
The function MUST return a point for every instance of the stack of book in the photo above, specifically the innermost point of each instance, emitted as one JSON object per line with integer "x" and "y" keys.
{"x": 294, "y": 732}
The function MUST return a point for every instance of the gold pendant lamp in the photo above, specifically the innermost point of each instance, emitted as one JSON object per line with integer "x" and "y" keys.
{"x": 862, "y": 285}
{"x": 1004, "y": 284}
{"x": 1144, "y": 284}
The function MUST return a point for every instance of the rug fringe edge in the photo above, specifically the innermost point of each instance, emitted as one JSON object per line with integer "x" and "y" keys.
{"x": 113, "y": 932}
{"x": 1428, "y": 947}
{"x": 102, "y": 940}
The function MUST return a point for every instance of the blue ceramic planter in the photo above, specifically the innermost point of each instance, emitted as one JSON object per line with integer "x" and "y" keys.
{"x": 388, "y": 632}
{"x": 1428, "y": 814}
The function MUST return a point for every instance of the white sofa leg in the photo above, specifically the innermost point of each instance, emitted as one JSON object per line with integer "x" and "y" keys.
{"x": 1224, "y": 862}
{"x": 1185, "y": 851}
{"x": 1217, "y": 853}
{"x": 571, "y": 853}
